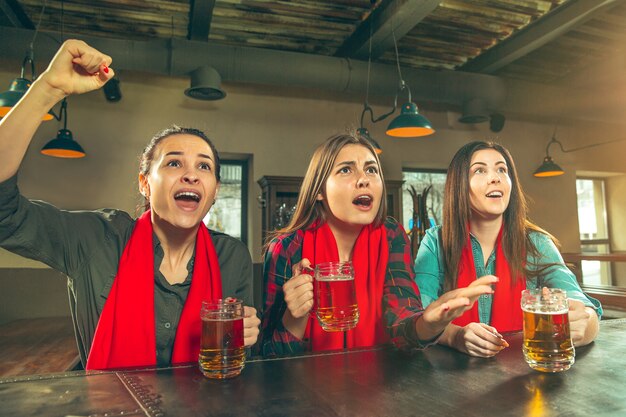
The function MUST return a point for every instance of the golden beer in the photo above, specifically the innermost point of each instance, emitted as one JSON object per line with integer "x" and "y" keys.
{"x": 547, "y": 345}
{"x": 222, "y": 351}
{"x": 336, "y": 306}
{"x": 336, "y": 303}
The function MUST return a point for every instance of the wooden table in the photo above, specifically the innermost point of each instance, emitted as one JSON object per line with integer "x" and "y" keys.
{"x": 37, "y": 346}
{"x": 371, "y": 382}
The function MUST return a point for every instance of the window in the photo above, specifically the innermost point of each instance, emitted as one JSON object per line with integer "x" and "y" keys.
{"x": 593, "y": 228}
{"x": 230, "y": 212}
{"x": 420, "y": 179}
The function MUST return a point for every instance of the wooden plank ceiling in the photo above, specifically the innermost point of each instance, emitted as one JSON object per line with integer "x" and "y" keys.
{"x": 447, "y": 35}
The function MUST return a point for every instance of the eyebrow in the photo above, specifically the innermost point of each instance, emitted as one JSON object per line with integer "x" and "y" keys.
{"x": 353, "y": 163}
{"x": 485, "y": 164}
{"x": 201, "y": 155}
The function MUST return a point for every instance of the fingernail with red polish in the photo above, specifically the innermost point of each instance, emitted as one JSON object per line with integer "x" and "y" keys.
{"x": 105, "y": 69}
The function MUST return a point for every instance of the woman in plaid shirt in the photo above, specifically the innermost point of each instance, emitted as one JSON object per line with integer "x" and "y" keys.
{"x": 341, "y": 216}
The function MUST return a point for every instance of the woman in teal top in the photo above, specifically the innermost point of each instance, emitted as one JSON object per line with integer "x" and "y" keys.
{"x": 486, "y": 232}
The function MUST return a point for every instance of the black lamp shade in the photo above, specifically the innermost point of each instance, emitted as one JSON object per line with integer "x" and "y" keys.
{"x": 409, "y": 123}
{"x": 205, "y": 84}
{"x": 63, "y": 146}
{"x": 548, "y": 169}
{"x": 112, "y": 91}
{"x": 474, "y": 111}
{"x": 9, "y": 98}
{"x": 365, "y": 134}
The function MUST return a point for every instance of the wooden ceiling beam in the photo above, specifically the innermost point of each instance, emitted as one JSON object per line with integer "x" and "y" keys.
{"x": 200, "y": 14}
{"x": 545, "y": 29}
{"x": 15, "y": 14}
{"x": 399, "y": 16}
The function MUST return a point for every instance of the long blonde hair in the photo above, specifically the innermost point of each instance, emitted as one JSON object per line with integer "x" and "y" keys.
{"x": 308, "y": 208}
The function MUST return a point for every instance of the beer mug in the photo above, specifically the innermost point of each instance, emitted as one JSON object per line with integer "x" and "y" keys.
{"x": 222, "y": 352}
{"x": 547, "y": 343}
{"x": 335, "y": 296}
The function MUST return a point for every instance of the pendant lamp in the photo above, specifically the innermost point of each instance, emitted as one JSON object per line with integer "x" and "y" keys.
{"x": 64, "y": 145}
{"x": 205, "y": 84}
{"x": 409, "y": 123}
{"x": 18, "y": 88}
{"x": 365, "y": 134}
{"x": 549, "y": 168}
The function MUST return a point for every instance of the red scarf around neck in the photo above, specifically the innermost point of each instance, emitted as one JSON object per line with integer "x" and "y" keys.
{"x": 126, "y": 332}
{"x": 506, "y": 314}
{"x": 369, "y": 260}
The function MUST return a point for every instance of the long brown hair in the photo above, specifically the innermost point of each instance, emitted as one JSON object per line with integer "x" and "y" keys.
{"x": 308, "y": 208}
{"x": 516, "y": 242}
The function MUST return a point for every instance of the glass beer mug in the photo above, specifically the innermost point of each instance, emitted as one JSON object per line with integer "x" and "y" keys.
{"x": 222, "y": 351}
{"x": 547, "y": 343}
{"x": 335, "y": 296}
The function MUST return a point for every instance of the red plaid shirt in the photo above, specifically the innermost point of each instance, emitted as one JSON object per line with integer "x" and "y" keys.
{"x": 402, "y": 305}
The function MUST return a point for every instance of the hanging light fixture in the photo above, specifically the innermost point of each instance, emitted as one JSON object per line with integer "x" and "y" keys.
{"x": 474, "y": 111}
{"x": 111, "y": 90}
{"x": 362, "y": 130}
{"x": 365, "y": 134}
{"x": 64, "y": 145}
{"x": 20, "y": 85}
{"x": 18, "y": 88}
{"x": 410, "y": 123}
{"x": 549, "y": 168}
{"x": 205, "y": 84}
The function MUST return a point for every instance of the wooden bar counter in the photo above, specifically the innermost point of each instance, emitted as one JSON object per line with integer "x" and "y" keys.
{"x": 371, "y": 382}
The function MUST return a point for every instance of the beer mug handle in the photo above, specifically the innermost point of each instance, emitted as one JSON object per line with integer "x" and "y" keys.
{"x": 311, "y": 271}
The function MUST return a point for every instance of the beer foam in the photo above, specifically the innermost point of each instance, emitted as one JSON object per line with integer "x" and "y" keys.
{"x": 219, "y": 319}
{"x": 538, "y": 310}
{"x": 335, "y": 278}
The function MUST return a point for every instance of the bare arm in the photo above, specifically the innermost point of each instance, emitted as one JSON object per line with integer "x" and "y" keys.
{"x": 75, "y": 69}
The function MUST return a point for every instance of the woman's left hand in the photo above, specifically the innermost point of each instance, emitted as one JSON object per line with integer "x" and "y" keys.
{"x": 579, "y": 319}
{"x": 250, "y": 326}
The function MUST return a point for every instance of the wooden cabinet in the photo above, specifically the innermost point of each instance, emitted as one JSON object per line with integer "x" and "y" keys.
{"x": 279, "y": 196}
{"x": 278, "y": 200}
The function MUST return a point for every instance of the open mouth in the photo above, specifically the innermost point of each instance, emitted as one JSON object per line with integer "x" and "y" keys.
{"x": 363, "y": 201}
{"x": 188, "y": 196}
{"x": 495, "y": 194}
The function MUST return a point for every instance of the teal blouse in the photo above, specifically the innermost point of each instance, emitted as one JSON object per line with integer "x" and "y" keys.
{"x": 429, "y": 271}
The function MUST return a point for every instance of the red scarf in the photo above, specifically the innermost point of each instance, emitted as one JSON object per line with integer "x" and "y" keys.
{"x": 126, "y": 332}
{"x": 506, "y": 314}
{"x": 369, "y": 260}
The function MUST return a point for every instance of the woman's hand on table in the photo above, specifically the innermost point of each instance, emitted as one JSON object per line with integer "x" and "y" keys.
{"x": 479, "y": 339}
